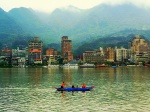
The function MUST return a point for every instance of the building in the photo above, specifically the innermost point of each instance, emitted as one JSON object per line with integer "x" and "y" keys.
{"x": 19, "y": 57}
{"x": 66, "y": 48}
{"x": 6, "y": 55}
{"x": 51, "y": 56}
{"x": 121, "y": 54}
{"x": 140, "y": 48}
{"x": 138, "y": 44}
{"x": 51, "y": 51}
{"x": 35, "y": 51}
{"x": 109, "y": 54}
{"x": 96, "y": 56}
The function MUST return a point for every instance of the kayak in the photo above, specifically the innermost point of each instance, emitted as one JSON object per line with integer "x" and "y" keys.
{"x": 88, "y": 88}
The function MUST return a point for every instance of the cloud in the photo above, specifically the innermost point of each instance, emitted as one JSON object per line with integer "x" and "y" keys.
{"x": 140, "y": 3}
{"x": 50, "y": 5}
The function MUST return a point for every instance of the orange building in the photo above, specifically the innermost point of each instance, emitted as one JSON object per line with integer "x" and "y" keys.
{"x": 6, "y": 52}
{"x": 51, "y": 51}
{"x": 66, "y": 48}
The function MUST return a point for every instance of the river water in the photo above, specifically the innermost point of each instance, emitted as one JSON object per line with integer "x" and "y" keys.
{"x": 122, "y": 89}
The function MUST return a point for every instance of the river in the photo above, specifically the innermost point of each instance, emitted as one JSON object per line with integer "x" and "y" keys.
{"x": 122, "y": 89}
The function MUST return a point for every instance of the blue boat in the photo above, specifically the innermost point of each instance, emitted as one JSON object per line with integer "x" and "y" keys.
{"x": 88, "y": 88}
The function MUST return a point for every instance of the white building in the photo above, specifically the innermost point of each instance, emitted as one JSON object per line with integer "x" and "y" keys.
{"x": 121, "y": 54}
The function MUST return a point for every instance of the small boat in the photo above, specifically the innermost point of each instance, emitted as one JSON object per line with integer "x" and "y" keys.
{"x": 88, "y": 88}
{"x": 86, "y": 65}
{"x": 53, "y": 66}
{"x": 70, "y": 65}
{"x": 102, "y": 65}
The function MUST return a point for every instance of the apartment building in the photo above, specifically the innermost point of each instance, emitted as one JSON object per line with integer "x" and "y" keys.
{"x": 35, "y": 51}
{"x": 121, "y": 54}
{"x": 96, "y": 56}
{"x": 109, "y": 54}
{"x": 66, "y": 48}
{"x": 140, "y": 48}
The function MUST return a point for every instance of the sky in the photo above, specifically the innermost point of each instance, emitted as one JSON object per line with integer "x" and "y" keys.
{"x": 50, "y": 5}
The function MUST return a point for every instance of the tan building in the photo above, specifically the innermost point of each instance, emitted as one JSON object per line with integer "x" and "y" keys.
{"x": 109, "y": 54}
{"x": 66, "y": 48}
{"x": 140, "y": 48}
{"x": 138, "y": 44}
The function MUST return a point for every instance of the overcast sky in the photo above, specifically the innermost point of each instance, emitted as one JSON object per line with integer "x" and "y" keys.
{"x": 50, "y": 5}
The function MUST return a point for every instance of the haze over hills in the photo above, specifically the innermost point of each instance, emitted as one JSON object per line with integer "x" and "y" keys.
{"x": 80, "y": 25}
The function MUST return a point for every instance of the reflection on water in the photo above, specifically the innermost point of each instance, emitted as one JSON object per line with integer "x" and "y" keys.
{"x": 123, "y": 89}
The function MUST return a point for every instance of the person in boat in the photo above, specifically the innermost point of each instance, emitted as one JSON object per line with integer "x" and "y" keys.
{"x": 83, "y": 85}
{"x": 73, "y": 91}
{"x": 63, "y": 85}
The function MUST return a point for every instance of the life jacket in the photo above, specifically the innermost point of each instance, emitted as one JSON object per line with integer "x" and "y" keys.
{"x": 83, "y": 86}
{"x": 63, "y": 84}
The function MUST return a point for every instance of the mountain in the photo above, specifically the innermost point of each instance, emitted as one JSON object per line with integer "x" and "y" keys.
{"x": 100, "y": 20}
{"x": 8, "y": 27}
{"x": 119, "y": 41}
{"x": 81, "y": 26}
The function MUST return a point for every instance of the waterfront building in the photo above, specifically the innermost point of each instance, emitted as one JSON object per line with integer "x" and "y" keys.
{"x": 109, "y": 54}
{"x": 35, "y": 51}
{"x": 51, "y": 56}
{"x": 6, "y": 55}
{"x": 138, "y": 44}
{"x": 140, "y": 48}
{"x": 96, "y": 56}
{"x": 139, "y": 57}
{"x": 121, "y": 54}
{"x": 51, "y": 51}
{"x": 66, "y": 48}
{"x": 19, "y": 56}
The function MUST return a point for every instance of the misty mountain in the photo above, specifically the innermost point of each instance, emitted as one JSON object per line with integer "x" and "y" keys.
{"x": 119, "y": 41}
{"x": 79, "y": 25}
{"x": 8, "y": 26}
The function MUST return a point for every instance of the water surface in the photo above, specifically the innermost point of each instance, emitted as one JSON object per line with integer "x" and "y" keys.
{"x": 124, "y": 89}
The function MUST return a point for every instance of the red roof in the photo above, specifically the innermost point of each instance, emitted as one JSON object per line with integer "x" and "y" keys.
{"x": 35, "y": 50}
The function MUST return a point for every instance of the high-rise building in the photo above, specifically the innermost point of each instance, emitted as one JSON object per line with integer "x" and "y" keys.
{"x": 66, "y": 48}
{"x": 35, "y": 51}
{"x": 138, "y": 44}
{"x": 121, "y": 54}
{"x": 140, "y": 48}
